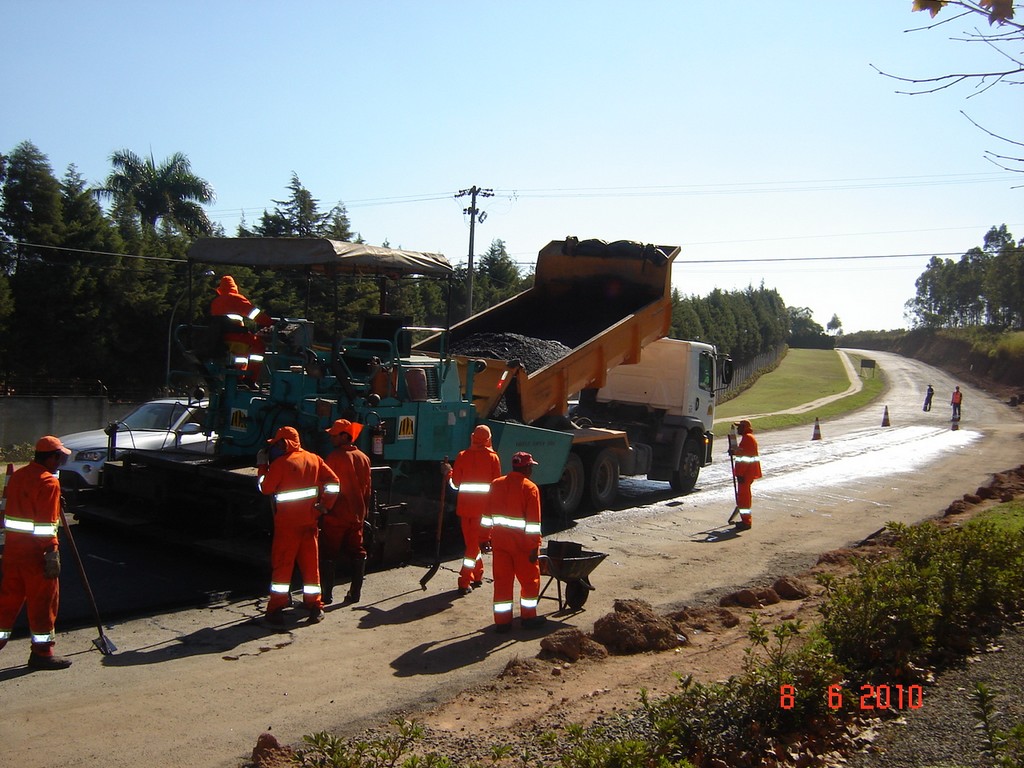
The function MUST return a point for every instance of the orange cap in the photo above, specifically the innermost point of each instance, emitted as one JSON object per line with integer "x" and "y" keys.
{"x": 49, "y": 444}
{"x": 285, "y": 433}
{"x": 350, "y": 428}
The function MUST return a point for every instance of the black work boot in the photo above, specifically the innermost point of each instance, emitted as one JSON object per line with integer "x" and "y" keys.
{"x": 327, "y": 569}
{"x": 356, "y": 587}
{"x": 36, "y": 661}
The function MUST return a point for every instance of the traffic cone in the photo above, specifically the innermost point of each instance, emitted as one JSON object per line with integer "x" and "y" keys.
{"x": 885, "y": 417}
{"x": 816, "y": 435}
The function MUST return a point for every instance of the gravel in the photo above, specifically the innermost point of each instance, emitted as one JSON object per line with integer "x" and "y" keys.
{"x": 943, "y": 732}
{"x": 532, "y": 353}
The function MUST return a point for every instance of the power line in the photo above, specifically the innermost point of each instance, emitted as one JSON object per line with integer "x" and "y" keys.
{"x": 671, "y": 190}
{"x": 23, "y": 244}
{"x": 774, "y": 259}
{"x": 688, "y": 262}
{"x": 725, "y": 262}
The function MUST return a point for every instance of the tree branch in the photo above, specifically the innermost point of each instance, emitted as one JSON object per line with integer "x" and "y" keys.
{"x": 990, "y": 133}
{"x": 948, "y": 81}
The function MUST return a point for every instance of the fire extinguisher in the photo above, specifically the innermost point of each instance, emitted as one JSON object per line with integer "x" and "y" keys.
{"x": 377, "y": 433}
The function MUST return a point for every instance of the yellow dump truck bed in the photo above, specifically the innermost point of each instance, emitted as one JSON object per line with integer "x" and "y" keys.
{"x": 604, "y": 301}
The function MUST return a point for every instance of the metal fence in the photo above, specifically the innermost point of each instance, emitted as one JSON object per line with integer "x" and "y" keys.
{"x": 44, "y": 386}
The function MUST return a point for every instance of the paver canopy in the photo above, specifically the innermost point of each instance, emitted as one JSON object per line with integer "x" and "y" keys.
{"x": 317, "y": 254}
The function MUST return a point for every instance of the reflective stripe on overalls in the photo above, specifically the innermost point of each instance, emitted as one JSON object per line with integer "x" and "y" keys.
{"x": 31, "y": 527}
{"x": 296, "y": 495}
{"x": 516, "y": 523}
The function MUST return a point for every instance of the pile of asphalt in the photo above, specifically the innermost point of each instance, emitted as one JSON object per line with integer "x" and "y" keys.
{"x": 533, "y": 354}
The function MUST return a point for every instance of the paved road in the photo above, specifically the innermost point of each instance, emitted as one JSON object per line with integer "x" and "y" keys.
{"x": 131, "y": 576}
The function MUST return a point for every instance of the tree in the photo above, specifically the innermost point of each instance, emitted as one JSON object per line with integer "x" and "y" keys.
{"x": 772, "y": 317}
{"x": 1003, "y": 283}
{"x": 835, "y": 325}
{"x": 300, "y": 216}
{"x": 743, "y": 324}
{"x": 31, "y": 216}
{"x": 168, "y": 192}
{"x": 986, "y": 286}
{"x": 30, "y": 207}
{"x": 805, "y": 333}
{"x": 685, "y": 320}
{"x": 1003, "y": 37}
{"x": 497, "y": 276}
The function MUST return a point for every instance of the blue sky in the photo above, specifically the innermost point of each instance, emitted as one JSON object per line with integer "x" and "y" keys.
{"x": 757, "y": 132}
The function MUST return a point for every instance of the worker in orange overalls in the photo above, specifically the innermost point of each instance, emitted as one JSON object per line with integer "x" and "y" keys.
{"x": 956, "y": 401}
{"x": 303, "y": 486}
{"x": 31, "y": 552}
{"x": 341, "y": 529}
{"x": 475, "y": 468}
{"x": 245, "y": 347}
{"x": 746, "y": 469}
{"x": 515, "y": 538}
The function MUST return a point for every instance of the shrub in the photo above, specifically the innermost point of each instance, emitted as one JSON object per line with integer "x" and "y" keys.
{"x": 598, "y": 749}
{"x": 942, "y": 590}
{"x": 740, "y": 719}
{"x": 324, "y": 750}
{"x": 17, "y": 453}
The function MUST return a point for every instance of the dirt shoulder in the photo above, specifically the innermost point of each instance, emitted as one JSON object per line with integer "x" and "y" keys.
{"x": 575, "y": 681}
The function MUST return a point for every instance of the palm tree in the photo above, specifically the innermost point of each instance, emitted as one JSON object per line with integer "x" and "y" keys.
{"x": 168, "y": 191}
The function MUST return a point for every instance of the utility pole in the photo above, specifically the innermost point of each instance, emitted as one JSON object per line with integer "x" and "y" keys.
{"x": 474, "y": 216}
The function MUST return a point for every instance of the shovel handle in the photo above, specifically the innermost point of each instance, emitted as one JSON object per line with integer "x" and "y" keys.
{"x": 105, "y": 646}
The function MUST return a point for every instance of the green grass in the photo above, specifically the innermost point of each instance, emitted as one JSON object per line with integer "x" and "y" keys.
{"x": 1011, "y": 344}
{"x": 1007, "y": 518}
{"x": 803, "y": 375}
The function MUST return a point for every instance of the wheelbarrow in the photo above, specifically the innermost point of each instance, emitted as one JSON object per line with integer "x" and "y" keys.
{"x": 567, "y": 562}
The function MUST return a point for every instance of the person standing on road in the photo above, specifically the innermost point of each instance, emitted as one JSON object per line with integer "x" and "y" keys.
{"x": 31, "y": 564}
{"x": 475, "y": 469}
{"x": 302, "y": 486}
{"x": 928, "y": 395}
{"x": 746, "y": 469}
{"x": 246, "y": 348}
{"x": 955, "y": 401}
{"x": 515, "y": 537}
{"x": 341, "y": 529}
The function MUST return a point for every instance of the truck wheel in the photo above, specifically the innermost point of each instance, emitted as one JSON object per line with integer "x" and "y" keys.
{"x": 685, "y": 477}
{"x": 603, "y": 479}
{"x": 564, "y": 497}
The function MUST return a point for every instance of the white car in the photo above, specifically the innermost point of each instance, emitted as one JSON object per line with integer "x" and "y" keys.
{"x": 167, "y": 424}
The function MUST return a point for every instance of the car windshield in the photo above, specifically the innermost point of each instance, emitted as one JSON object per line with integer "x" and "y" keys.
{"x": 158, "y": 416}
